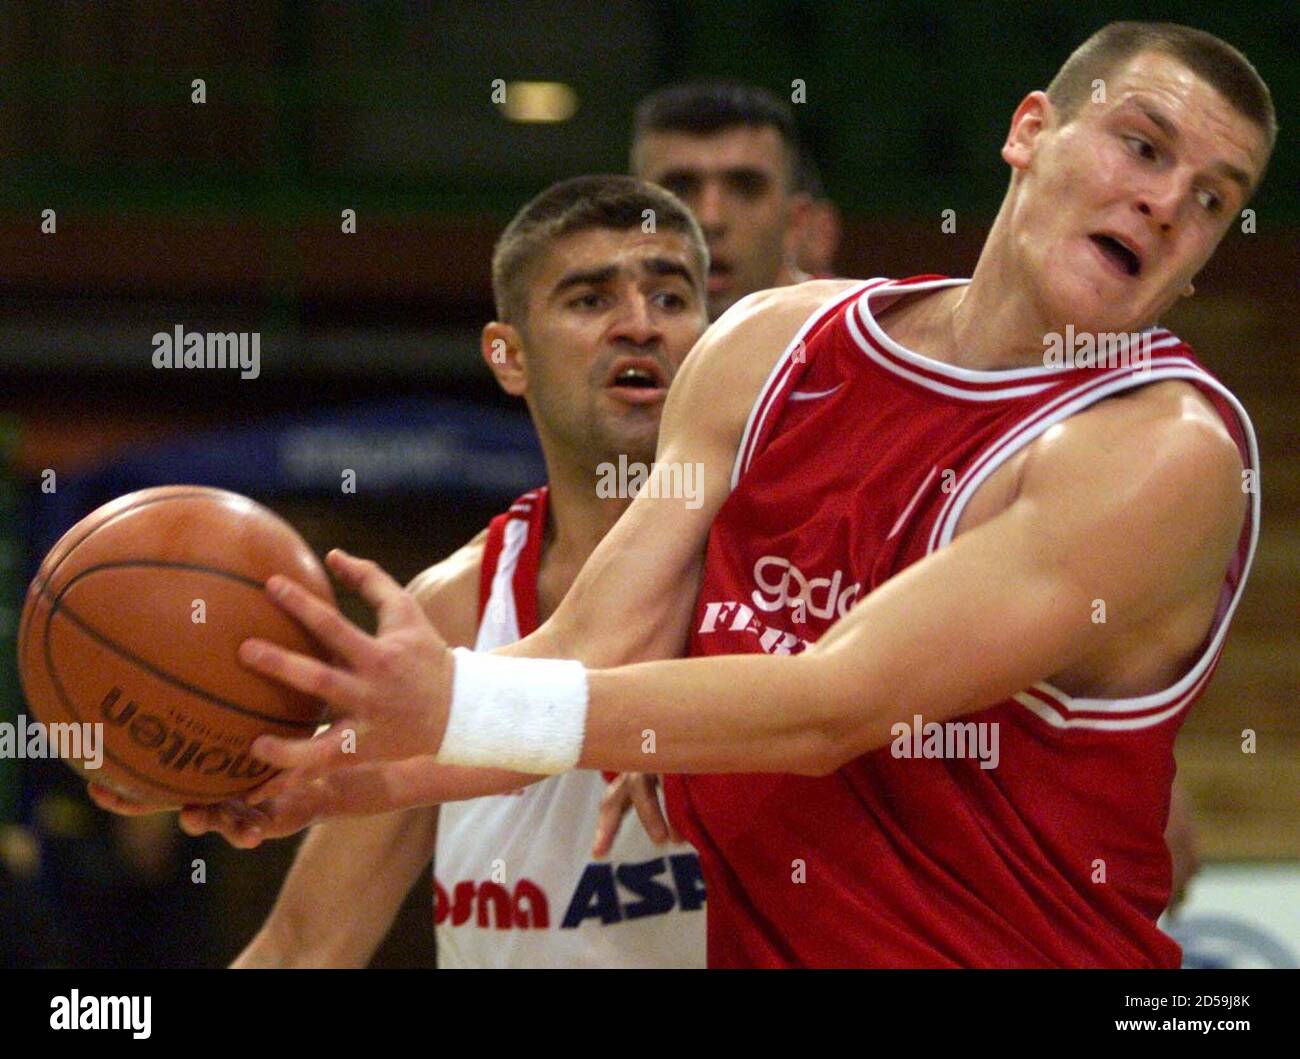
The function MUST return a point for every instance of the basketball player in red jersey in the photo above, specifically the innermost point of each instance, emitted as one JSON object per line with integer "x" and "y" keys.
{"x": 732, "y": 152}
{"x": 594, "y": 318}
{"x": 910, "y": 516}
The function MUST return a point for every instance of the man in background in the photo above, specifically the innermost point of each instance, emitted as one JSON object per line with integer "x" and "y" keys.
{"x": 732, "y": 153}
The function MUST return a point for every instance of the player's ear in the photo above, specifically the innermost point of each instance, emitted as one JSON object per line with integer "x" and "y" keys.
{"x": 798, "y": 224}
{"x": 1034, "y": 114}
{"x": 502, "y": 347}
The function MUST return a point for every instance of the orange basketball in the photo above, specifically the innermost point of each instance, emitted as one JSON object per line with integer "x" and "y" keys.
{"x": 133, "y": 621}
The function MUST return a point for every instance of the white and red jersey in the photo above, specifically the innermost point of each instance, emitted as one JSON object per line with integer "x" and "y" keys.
{"x": 858, "y": 460}
{"x": 515, "y": 884}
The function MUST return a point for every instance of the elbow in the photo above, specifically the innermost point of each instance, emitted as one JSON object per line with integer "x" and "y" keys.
{"x": 822, "y": 751}
{"x": 840, "y": 733}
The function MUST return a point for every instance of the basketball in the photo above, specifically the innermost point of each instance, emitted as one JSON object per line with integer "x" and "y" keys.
{"x": 133, "y": 622}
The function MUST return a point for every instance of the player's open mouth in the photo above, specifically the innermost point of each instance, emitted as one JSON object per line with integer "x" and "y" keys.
{"x": 637, "y": 380}
{"x": 1122, "y": 257}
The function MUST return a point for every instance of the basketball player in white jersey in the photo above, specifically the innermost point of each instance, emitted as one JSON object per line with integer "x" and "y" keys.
{"x": 1141, "y": 501}
{"x": 594, "y": 317}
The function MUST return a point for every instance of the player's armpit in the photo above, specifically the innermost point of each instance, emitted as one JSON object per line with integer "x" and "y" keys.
{"x": 633, "y": 599}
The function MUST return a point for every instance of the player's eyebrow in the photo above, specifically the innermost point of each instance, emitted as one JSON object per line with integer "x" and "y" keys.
{"x": 1160, "y": 121}
{"x": 667, "y": 266}
{"x": 1157, "y": 118}
{"x": 593, "y": 277}
{"x": 681, "y": 173}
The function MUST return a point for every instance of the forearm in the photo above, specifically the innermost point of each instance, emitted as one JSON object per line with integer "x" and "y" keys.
{"x": 454, "y": 783}
{"x": 730, "y": 713}
{"x": 621, "y": 611}
{"x": 382, "y": 787}
{"x": 594, "y": 626}
{"x": 346, "y": 884}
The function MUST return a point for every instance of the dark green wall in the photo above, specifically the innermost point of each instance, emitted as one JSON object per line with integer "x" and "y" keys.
{"x": 386, "y": 105}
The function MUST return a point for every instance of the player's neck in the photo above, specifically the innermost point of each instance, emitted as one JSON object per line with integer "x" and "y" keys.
{"x": 997, "y": 322}
{"x": 990, "y": 324}
{"x": 577, "y": 517}
{"x": 957, "y": 326}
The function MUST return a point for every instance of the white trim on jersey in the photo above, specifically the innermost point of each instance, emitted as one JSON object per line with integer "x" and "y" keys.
{"x": 1053, "y": 705}
{"x": 1032, "y": 426}
{"x": 861, "y": 316}
{"x": 773, "y": 385}
{"x": 500, "y": 623}
{"x": 813, "y": 395}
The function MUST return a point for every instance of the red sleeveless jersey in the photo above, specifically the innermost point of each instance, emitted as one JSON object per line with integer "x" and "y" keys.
{"x": 858, "y": 460}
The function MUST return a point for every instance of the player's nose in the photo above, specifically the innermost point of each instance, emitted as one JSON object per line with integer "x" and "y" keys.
{"x": 707, "y": 204}
{"x": 636, "y": 322}
{"x": 1160, "y": 203}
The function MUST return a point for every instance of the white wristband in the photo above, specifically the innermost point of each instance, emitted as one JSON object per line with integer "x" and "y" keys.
{"x": 526, "y": 714}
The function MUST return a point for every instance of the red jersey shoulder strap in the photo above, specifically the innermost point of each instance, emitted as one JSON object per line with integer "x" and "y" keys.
{"x": 491, "y": 553}
{"x": 533, "y": 507}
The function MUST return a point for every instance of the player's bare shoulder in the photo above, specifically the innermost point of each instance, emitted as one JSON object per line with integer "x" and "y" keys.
{"x": 768, "y": 320}
{"x": 1162, "y": 444}
{"x": 721, "y": 378}
{"x": 448, "y": 592}
{"x": 1164, "y": 426}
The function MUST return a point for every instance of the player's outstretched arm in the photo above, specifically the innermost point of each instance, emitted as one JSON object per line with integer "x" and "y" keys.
{"x": 347, "y": 882}
{"x": 632, "y": 600}
{"x": 1137, "y": 502}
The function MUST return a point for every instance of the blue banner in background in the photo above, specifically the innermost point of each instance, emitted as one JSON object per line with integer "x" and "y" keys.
{"x": 411, "y": 446}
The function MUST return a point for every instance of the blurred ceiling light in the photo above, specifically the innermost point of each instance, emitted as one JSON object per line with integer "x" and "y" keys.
{"x": 539, "y": 101}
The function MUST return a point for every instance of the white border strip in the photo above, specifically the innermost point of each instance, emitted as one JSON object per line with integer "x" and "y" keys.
{"x": 1160, "y": 338}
